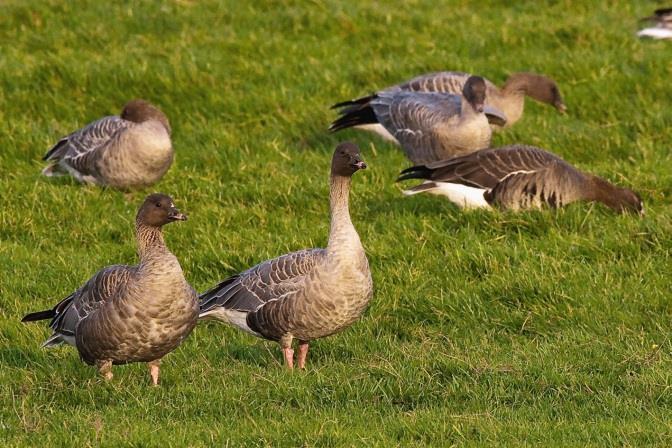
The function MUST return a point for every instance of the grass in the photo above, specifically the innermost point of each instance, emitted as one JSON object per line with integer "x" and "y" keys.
{"x": 496, "y": 329}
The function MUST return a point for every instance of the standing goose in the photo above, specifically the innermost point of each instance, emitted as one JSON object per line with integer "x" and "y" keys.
{"x": 126, "y": 151}
{"x": 517, "y": 177}
{"x": 509, "y": 100}
{"x": 429, "y": 126}
{"x": 307, "y": 294}
{"x": 130, "y": 313}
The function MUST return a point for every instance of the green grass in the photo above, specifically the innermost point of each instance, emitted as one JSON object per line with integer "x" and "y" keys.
{"x": 496, "y": 329}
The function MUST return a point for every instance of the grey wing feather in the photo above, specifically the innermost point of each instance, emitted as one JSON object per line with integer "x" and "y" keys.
{"x": 270, "y": 280}
{"x": 557, "y": 184}
{"x": 445, "y": 82}
{"x": 412, "y": 118}
{"x": 74, "y": 148}
{"x": 486, "y": 168}
{"x": 100, "y": 288}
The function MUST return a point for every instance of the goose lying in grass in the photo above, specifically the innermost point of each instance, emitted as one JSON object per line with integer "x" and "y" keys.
{"x": 504, "y": 106}
{"x": 662, "y": 29}
{"x": 517, "y": 177}
{"x": 308, "y": 294}
{"x": 428, "y": 126}
{"x": 129, "y": 314}
{"x": 126, "y": 151}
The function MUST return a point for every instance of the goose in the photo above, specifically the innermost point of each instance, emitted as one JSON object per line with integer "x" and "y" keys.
{"x": 663, "y": 25}
{"x": 127, "y": 314}
{"x": 303, "y": 295}
{"x": 126, "y": 151}
{"x": 429, "y": 126}
{"x": 504, "y": 106}
{"x": 517, "y": 177}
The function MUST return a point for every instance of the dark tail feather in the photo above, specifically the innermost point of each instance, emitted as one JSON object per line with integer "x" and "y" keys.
{"x": 39, "y": 315}
{"x": 364, "y": 115}
{"x": 53, "y": 152}
{"x": 415, "y": 172}
{"x": 356, "y": 104}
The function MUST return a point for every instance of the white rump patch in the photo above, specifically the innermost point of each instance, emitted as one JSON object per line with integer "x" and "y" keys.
{"x": 231, "y": 317}
{"x": 656, "y": 33}
{"x": 380, "y": 130}
{"x": 461, "y": 195}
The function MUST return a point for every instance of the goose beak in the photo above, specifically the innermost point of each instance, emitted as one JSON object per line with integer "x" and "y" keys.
{"x": 360, "y": 165}
{"x": 175, "y": 215}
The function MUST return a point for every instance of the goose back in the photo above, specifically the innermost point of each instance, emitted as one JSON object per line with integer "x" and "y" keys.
{"x": 432, "y": 126}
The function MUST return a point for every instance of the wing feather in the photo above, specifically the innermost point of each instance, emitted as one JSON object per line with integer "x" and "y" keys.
{"x": 274, "y": 279}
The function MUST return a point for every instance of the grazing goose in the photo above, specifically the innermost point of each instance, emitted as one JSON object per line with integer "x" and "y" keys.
{"x": 307, "y": 294}
{"x": 663, "y": 25}
{"x": 131, "y": 150}
{"x": 509, "y": 100}
{"x": 517, "y": 177}
{"x": 429, "y": 126}
{"x": 130, "y": 313}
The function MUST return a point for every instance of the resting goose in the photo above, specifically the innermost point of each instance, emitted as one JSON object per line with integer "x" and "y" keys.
{"x": 125, "y": 313}
{"x": 504, "y": 106}
{"x": 126, "y": 151}
{"x": 517, "y": 177}
{"x": 307, "y": 294}
{"x": 662, "y": 18}
{"x": 429, "y": 126}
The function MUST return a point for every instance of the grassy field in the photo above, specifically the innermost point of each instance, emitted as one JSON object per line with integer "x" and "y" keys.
{"x": 486, "y": 329}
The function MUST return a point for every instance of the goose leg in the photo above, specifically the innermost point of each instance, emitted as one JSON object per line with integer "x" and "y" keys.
{"x": 154, "y": 371}
{"x": 303, "y": 352}
{"x": 289, "y": 357}
{"x": 105, "y": 368}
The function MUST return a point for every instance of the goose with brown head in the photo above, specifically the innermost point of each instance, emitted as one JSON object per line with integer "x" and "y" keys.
{"x": 127, "y": 151}
{"x": 126, "y": 313}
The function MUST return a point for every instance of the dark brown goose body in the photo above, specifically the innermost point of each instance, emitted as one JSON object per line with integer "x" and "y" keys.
{"x": 520, "y": 177}
{"x": 307, "y": 294}
{"x": 130, "y": 313}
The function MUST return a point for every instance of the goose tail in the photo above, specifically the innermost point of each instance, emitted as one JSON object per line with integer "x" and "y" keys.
{"x": 415, "y": 172}
{"x": 355, "y": 115}
{"x": 39, "y": 315}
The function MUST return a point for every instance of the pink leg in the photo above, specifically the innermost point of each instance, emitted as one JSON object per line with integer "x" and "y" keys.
{"x": 303, "y": 352}
{"x": 289, "y": 357}
{"x": 105, "y": 368}
{"x": 154, "y": 371}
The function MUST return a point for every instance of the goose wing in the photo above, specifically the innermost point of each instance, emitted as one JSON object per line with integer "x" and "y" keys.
{"x": 486, "y": 168}
{"x": 76, "y": 148}
{"x": 276, "y": 279}
{"x": 414, "y": 119}
{"x": 67, "y": 314}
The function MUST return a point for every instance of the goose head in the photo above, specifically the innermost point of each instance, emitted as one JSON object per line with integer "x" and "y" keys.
{"x": 474, "y": 92}
{"x": 139, "y": 111}
{"x": 538, "y": 87}
{"x": 629, "y": 201}
{"x": 347, "y": 160}
{"x": 159, "y": 210}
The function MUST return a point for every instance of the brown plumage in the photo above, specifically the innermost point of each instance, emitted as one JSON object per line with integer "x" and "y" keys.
{"x": 517, "y": 177}
{"x": 130, "y": 313}
{"x": 126, "y": 151}
{"x": 308, "y": 294}
{"x": 428, "y": 126}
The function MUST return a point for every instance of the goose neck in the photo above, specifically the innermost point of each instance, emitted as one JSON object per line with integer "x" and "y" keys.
{"x": 339, "y": 193}
{"x": 149, "y": 240}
